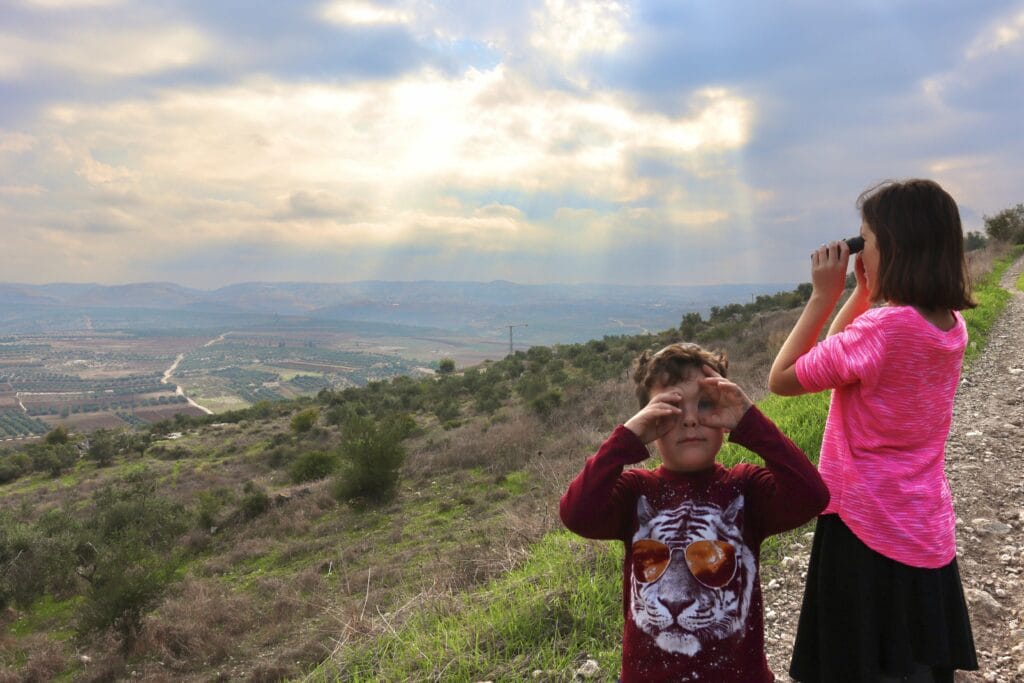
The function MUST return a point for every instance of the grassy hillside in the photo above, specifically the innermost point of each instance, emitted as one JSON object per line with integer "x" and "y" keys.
{"x": 250, "y": 545}
{"x": 564, "y": 604}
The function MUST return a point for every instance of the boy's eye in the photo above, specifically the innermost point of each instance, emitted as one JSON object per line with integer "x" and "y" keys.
{"x": 704, "y": 404}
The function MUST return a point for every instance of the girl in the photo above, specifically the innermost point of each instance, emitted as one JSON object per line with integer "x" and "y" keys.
{"x": 883, "y": 600}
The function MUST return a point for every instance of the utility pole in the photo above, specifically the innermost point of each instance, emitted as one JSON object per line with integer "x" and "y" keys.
{"x": 510, "y": 335}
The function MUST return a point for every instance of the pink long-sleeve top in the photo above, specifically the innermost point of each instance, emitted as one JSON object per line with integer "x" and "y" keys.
{"x": 894, "y": 377}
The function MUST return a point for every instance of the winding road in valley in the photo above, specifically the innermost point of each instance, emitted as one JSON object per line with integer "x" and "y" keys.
{"x": 169, "y": 372}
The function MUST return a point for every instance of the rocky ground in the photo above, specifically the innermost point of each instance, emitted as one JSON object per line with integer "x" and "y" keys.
{"x": 985, "y": 465}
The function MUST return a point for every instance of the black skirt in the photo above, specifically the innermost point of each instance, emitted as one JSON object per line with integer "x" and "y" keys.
{"x": 866, "y": 617}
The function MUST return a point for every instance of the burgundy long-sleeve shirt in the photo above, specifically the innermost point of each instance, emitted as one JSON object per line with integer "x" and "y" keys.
{"x": 677, "y": 629}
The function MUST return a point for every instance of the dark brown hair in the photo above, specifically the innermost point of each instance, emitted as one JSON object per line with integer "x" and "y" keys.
{"x": 920, "y": 245}
{"x": 672, "y": 365}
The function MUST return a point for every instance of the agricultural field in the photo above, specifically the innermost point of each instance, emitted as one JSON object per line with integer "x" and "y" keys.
{"x": 92, "y": 380}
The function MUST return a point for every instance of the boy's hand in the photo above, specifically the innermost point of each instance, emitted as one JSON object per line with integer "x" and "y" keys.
{"x": 729, "y": 403}
{"x": 657, "y": 418}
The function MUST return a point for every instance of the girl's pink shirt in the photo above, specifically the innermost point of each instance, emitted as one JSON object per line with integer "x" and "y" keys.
{"x": 894, "y": 376}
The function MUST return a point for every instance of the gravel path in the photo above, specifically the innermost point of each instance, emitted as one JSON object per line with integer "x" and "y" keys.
{"x": 985, "y": 465}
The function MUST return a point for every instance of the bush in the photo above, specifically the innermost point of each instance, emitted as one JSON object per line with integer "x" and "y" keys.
{"x": 371, "y": 456}
{"x": 255, "y": 501}
{"x": 35, "y": 559}
{"x": 446, "y": 366}
{"x": 544, "y": 404}
{"x": 130, "y": 558}
{"x": 101, "y": 447}
{"x": 1007, "y": 225}
{"x": 303, "y": 421}
{"x": 57, "y": 435}
{"x": 210, "y": 505}
{"x": 974, "y": 240}
{"x": 313, "y": 465}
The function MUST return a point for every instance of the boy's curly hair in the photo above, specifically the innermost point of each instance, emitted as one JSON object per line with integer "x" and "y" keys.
{"x": 671, "y": 365}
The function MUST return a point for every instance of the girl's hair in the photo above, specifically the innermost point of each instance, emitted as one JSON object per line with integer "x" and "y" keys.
{"x": 920, "y": 245}
{"x": 672, "y": 365}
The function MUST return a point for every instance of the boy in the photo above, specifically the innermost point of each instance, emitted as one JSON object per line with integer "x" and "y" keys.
{"x": 692, "y": 528}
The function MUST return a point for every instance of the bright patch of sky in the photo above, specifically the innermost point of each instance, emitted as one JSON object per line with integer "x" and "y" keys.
{"x": 648, "y": 142}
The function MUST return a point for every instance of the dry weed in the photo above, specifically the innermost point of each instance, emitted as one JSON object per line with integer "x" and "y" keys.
{"x": 501, "y": 447}
{"x": 200, "y": 624}
{"x": 46, "y": 659}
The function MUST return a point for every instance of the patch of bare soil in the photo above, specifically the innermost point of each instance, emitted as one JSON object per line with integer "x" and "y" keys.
{"x": 985, "y": 466}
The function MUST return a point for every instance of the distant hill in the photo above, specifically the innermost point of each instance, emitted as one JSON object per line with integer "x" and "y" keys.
{"x": 555, "y": 313}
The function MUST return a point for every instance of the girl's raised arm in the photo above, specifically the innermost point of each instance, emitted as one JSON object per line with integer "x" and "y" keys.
{"x": 828, "y": 277}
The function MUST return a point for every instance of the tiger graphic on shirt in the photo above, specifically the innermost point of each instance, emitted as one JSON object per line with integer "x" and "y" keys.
{"x": 680, "y": 614}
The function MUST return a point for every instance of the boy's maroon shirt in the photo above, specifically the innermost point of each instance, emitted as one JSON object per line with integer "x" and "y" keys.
{"x": 675, "y": 628}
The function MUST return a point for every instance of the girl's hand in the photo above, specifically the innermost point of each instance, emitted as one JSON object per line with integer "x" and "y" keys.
{"x": 729, "y": 403}
{"x": 828, "y": 269}
{"x": 657, "y": 418}
{"x": 862, "y": 277}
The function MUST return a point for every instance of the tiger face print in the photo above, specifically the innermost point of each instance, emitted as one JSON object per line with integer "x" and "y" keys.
{"x": 677, "y": 611}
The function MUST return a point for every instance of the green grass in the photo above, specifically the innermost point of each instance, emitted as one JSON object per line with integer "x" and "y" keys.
{"x": 991, "y": 299}
{"x": 48, "y": 615}
{"x": 565, "y": 601}
{"x": 561, "y": 603}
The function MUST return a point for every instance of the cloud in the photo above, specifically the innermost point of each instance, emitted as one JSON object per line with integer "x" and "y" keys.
{"x": 103, "y": 52}
{"x": 70, "y": 4}
{"x": 489, "y": 137}
{"x": 359, "y": 13}
{"x": 1003, "y": 33}
{"x": 568, "y": 29}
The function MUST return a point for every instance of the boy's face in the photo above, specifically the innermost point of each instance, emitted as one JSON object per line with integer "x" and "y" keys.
{"x": 689, "y": 446}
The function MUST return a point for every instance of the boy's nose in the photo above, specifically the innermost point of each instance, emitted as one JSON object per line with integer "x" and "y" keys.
{"x": 688, "y": 418}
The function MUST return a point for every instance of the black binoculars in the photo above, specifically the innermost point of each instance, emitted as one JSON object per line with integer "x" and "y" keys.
{"x": 855, "y": 243}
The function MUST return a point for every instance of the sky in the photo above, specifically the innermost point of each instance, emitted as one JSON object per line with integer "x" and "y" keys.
{"x": 662, "y": 142}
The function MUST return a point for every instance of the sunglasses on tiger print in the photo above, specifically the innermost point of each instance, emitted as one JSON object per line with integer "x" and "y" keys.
{"x": 712, "y": 563}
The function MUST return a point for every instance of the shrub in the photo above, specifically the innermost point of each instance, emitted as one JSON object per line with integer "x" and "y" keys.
{"x": 313, "y": 465}
{"x": 101, "y": 447}
{"x": 447, "y": 410}
{"x": 371, "y": 456}
{"x": 58, "y": 435}
{"x": 545, "y": 403}
{"x": 35, "y": 559}
{"x": 130, "y": 558}
{"x": 255, "y": 501}
{"x": 210, "y": 505}
{"x": 1007, "y": 225}
{"x": 304, "y": 420}
{"x": 446, "y": 366}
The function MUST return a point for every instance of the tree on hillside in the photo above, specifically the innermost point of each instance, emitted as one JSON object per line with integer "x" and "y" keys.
{"x": 974, "y": 240}
{"x": 371, "y": 455}
{"x": 102, "y": 448}
{"x": 130, "y": 560}
{"x": 1007, "y": 225}
{"x": 59, "y": 434}
{"x": 446, "y": 366}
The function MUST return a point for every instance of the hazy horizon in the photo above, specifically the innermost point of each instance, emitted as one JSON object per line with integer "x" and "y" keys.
{"x": 392, "y": 281}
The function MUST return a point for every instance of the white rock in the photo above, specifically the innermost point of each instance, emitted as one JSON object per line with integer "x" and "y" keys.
{"x": 589, "y": 669}
{"x": 982, "y": 601}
